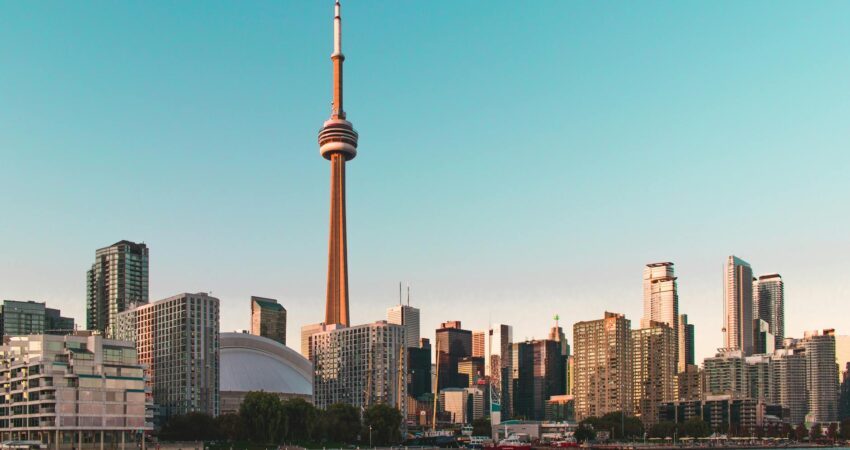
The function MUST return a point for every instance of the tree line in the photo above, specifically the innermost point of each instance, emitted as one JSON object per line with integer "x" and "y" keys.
{"x": 264, "y": 418}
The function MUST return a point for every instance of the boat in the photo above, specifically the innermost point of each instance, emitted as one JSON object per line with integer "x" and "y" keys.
{"x": 567, "y": 442}
{"x": 512, "y": 442}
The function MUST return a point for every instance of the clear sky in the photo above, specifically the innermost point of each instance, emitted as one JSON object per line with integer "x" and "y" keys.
{"x": 516, "y": 160}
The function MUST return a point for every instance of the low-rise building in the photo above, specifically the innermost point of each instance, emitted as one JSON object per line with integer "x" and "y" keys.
{"x": 70, "y": 390}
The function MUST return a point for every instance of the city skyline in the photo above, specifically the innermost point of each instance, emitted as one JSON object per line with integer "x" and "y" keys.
{"x": 197, "y": 194}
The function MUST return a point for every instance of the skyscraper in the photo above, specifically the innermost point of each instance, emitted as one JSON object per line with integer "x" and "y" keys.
{"x": 788, "y": 366}
{"x": 821, "y": 379}
{"x": 769, "y": 305}
{"x": 654, "y": 370}
{"x": 178, "y": 340}
{"x": 603, "y": 366}
{"x": 338, "y": 144}
{"x": 686, "y": 343}
{"x": 360, "y": 365}
{"x": 661, "y": 299}
{"x": 726, "y": 374}
{"x": 268, "y": 319}
{"x": 408, "y": 317}
{"x": 453, "y": 344}
{"x": 117, "y": 279}
{"x": 478, "y": 346}
{"x": 738, "y": 306}
{"x": 419, "y": 369}
{"x": 536, "y": 374}
{"x": 497, "y": 365}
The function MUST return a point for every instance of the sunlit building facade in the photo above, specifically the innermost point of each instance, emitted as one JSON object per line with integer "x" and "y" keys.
{"x": 408, "y": 317}
{"x": 72, "y": 390}
{"x": 661, "y": 299}
{"x": 361, "y": 365}
{"x": 268, "y": 319}
{"x": 654, "y": 370}
{"x": 603, "y": 366}
{"x": 178, "y": 339}
{"x": 738, "y": 306}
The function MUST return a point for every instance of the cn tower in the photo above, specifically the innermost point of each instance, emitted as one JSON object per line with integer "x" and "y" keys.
{"x": 338, "y": 144}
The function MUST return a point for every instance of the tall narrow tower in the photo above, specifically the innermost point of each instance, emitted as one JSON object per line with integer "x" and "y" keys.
{"x": 338, "y": 144}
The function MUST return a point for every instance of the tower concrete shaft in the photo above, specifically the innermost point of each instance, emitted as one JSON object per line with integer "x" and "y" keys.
{"x": 338, "y": 144}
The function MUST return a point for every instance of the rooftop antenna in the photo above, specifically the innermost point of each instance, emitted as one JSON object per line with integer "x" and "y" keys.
{"x": 408, "y": 294}
{"x": 399, "y": 293}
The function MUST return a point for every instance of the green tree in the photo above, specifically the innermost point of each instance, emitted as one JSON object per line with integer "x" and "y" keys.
{"x": 384, "y": 422}
{"x": 696, "y": 427}
{"x": 300, "y": 420}
{"x": 585, "y": 433}
{"x": 663, "y": 429}
{"x": 481, "y": 427}
{"x": 229, "y": 427}
{"x": 262, "y": 416}
{"x": 189, "y": 427}
{"x": 341, "y": 423}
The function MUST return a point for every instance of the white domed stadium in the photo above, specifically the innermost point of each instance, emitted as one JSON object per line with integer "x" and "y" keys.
{"x": 255, "y": 363}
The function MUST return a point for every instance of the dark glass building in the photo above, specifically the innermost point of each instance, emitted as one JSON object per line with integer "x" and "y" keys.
{"x": 419, "y": 369}
{"x": 117, "y": 280}
{"x": 22, "y": 318}
{"x": 536, "y": 375}
{"x": 453, "y": 344}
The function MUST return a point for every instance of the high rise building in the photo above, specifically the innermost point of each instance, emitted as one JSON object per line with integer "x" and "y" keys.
{"x": 462, "y": 405}
{"x": 844, "y": 395}
{"x": 536, "y": 374}
{"x": 738, "y": 306}
{"x": 497, "y": 366}
{"x": 842, "y": 351}
{"x": 689, "y": 383}
{"x": 686, "y": 343}
{"x": 654, "y": 370}
{"x": 360, "y": 365}
{"x": 759, "y": 373}
{"x": 603, "y": 366}
{"x": 419, "y": 369}
{"x": 178, "y": 339}
{"x": 478, "y": 346}
{"x": 338, "y": 144}
{"x": 556, "y": 333}
{"x": 22, "y": 318}
{"x": 763, "y": 340}
{"x": 307, "y": 332}
{"x": 117, "y": 280}
{"x": 769, "y": 305}
{"x": 453, "y": 344}
{"x": 661, "y": 299}
{"x": 788, "y": 365}
{"x": 408, "y": 317}
{"x": 821, "y": 381}
{"x": 472, "y": 369}
{"x": 725, "y": 374}
{"x": 63, "y": 388}
{"x": 268, "y": 319}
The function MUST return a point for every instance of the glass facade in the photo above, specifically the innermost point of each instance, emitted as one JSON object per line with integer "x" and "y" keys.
{"x": 22, "y": 318}
{"x": 268, "y": 319}
{"x": 116, "y": 281}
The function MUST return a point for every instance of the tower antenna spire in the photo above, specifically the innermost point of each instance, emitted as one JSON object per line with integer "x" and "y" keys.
{"x": 338, "y": 144}
{"x": 338, "y": 112}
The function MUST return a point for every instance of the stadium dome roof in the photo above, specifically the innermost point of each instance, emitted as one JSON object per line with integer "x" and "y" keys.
{"x": 255, "y": 363}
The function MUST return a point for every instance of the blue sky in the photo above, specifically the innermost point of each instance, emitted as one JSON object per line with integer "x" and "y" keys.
{"x": 515, "y": 161}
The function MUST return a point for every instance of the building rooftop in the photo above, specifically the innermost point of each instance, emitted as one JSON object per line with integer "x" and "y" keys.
{"x": 255, "y": 363}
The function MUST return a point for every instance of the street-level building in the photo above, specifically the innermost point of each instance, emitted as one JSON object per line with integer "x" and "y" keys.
{"x": 72, "y": 391}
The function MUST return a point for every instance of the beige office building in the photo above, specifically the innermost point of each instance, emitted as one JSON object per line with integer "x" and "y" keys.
{"x": 654, "y": 369}
{"x": 603, "y": 378}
